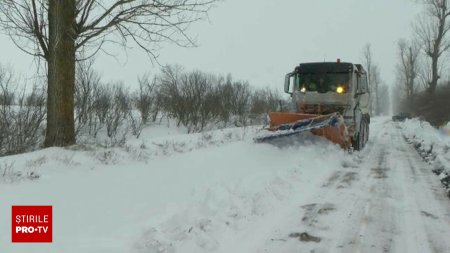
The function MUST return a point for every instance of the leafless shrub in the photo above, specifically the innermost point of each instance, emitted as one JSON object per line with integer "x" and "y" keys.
{"x": 432, "y": 107}
{"x": 235, "y": 101}
{"x": 119, "y": 109}
{"x": 190, "y": 98}
{"x": 145, "y": 100}
{"x": 111, "y": 107}
{"x": 6, "y": 81}
{"x": 196, "y": 99}
{"x": 102, "y": 107}
{"x": 7, "y": 98}
{"x": 36, "y": 98}
{"x": 86, "y": 83}
{"x": 37, "y": 162}
{"x": 169, "y": 93}
{"x": 21, "y": 124}
{"x": 102, "y": 102}
{"x": 264, "y": 101}
{"x": 136, "y": 124}
{"x": 90, "y": 117}
{"x": 8, "y": 173}
{"x": 107, "y": 157}
{"x": 240, "y": 100}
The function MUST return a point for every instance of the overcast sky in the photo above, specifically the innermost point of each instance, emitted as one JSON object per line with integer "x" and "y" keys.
{"x": 261, "y": 40}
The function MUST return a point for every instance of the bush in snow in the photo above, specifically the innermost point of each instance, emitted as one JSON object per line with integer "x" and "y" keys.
{"x": 196, "y": 99}
{"x": 188, "y": 97}
{"x": 265, "y": 100}
{"x": 100, "y": 107}
{"x": 21, "y": 120}
{"x": 146, "y": 100}
{"x": 234, "y": 99}
{"x": 110, "y": 110}
{"x": 86, "y": 88}
{"x": 432, "y": 107}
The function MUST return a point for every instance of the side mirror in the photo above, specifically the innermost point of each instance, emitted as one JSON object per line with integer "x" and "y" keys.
{"x": 287, "y": 83}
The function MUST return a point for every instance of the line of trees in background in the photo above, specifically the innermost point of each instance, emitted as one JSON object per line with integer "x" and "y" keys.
{"x": 110, "y": 111}
{"x": 422, "y": 73}
{"x": 379, "y": 92}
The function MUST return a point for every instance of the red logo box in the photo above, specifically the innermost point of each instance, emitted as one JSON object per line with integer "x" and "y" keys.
{"x": 32, "y": 224}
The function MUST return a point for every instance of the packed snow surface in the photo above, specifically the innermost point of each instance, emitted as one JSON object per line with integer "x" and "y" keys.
{"x": 221, "y": 192}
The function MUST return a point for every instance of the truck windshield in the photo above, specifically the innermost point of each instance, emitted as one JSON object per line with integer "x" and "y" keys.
{"x": 322, "y": 82}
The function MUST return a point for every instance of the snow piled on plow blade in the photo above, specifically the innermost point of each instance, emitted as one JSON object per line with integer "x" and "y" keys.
{"x": 330, "y": 126}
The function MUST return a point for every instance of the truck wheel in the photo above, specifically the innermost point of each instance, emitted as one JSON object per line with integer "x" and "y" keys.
{"x": 356, "y": 142}
{"x": 363, "y": 134}
{"x": 360, "y": 140}
{"x": 367, "y": 132}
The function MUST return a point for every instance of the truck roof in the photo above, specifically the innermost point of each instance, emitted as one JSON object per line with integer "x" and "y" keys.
{"x": 326, "y": 67}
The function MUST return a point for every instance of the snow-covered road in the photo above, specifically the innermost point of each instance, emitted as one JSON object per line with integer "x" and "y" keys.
{"x": 386, "y": 201}
{"x": 221, "y": 192}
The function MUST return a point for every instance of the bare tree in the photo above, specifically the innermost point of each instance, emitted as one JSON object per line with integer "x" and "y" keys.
{"x": 61, "y": 32}
{"x": 367, "y": 59}
{"x": 145, "y": 100}
{"x": 373, "y": 75}
{"x": 408, "y": 67}
{"x": 431, "y": 30}
{"x": 169, "y": 92}
{"x": 376, "y": 83}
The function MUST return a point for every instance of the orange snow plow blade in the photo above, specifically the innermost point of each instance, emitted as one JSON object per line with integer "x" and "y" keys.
{"x": 330, "y": 126}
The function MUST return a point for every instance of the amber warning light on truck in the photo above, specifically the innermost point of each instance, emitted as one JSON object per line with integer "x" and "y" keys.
{"x": 31, "y": 224}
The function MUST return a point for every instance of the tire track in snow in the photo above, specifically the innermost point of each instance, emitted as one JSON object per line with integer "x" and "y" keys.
{"x": 400, "y": 211}
{"x": 329, "y": 210}
{"x": 366, "y": 215}
{"x": 426, "y": 223}
{"x": 370, "y": 224}
{"x": 384, "y": 200}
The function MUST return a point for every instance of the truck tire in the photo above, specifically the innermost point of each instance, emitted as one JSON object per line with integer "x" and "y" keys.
{"x": 361, "y": 138}
{"x": 364, "y": 134}
{"x": 367, "y": 131}
{"x": 356, "y": 142}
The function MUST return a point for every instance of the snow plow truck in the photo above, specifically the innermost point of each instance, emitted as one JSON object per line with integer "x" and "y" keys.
{"x": 329, "y": 99}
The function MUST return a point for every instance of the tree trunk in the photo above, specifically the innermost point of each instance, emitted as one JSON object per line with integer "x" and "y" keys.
{"x": 434, "y": 73}
{"x": 61, "y": 74}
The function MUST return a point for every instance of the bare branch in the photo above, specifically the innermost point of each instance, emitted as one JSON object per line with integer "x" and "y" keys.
{"x": 25, "y": 22}
{"x": 432, "y": 31}
{"x": 145, "y": 23}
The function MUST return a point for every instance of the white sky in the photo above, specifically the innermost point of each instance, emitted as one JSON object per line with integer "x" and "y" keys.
{"x": 261, "y": 40}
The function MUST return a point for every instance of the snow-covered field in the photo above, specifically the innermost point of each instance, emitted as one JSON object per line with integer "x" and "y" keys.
{"x": 220, "y": 192}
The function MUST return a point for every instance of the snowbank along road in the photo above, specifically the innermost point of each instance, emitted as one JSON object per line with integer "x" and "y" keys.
{"x": 220, "y": 192}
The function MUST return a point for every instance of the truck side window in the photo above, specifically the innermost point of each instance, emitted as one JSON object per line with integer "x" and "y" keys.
{"x": 297, "y": 82}
{"x": 356, "y": 82}
{"x": 362, "y": 81}
{"x": 366, "y": 88}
